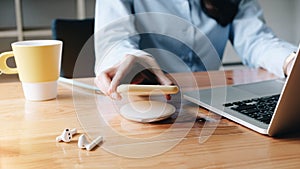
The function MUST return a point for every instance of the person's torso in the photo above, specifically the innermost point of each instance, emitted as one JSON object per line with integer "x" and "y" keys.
{"x": 181, "y": 28}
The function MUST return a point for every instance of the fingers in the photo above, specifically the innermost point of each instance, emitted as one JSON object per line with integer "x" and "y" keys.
{"x": 290, "y": 66}
{"x": 161, "y": 77}
{"x": 116, "y": 80}
{"x": 109, "y": 80}
{"x": 154, "y": 67}
{"x": 168, "y": 97}
{"x": 103, "y": 82}
{"x": 145, "y": 77}
{"x": 121, "y": 71}
{"x": 112, "y": 90}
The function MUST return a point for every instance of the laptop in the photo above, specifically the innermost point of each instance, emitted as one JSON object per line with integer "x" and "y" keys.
{"x": 269, "y": 107}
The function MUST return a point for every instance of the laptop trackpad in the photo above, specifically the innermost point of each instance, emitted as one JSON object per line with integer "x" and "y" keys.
{"x": 262, "y": 88}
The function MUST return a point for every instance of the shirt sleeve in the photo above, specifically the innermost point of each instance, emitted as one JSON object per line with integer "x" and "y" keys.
{"x": 255, "y": 42}
{"x": 115, "y": 35}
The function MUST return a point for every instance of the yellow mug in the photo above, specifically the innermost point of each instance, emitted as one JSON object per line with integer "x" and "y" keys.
{"x": 38, "y": 65}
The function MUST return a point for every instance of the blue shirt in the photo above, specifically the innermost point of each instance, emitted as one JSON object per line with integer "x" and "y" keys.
{"x": 182, "y": 37}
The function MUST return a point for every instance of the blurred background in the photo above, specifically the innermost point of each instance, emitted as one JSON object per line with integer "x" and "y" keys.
{"x": 31, "y": 19}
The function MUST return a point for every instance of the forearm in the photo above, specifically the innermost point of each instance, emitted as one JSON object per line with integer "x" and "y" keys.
{"x": 115, "y": 34}
{"x": 256, "y": 43}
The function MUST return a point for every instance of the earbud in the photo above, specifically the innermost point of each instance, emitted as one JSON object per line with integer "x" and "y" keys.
{"x": 83, "y": 142}
{"x": 66, "y": 135}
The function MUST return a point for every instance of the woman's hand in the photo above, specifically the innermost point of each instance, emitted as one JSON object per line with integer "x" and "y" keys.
{"x": 289, "y": 63}
{"x": 110, "y": 79}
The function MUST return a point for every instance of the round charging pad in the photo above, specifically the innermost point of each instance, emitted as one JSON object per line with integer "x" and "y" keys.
{"x": 147, "y": 111}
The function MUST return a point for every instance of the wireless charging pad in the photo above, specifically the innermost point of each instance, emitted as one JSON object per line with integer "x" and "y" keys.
{"x": 147, "y": 111}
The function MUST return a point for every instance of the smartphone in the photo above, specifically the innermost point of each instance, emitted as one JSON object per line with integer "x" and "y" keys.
{"x": 133, "y": 89}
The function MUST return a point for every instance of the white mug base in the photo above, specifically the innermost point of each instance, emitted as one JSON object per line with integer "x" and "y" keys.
{"x": 40, "y": 91}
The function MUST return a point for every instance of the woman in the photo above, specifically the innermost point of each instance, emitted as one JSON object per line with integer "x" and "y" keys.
{"x": 126, "y": 30}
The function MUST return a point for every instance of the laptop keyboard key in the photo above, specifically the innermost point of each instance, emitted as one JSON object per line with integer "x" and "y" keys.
{"x": 261, "y": 109}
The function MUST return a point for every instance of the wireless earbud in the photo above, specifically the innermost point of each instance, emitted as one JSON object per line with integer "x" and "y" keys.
{"x": 66, "y": 135}
{"x": 83, "y": 142}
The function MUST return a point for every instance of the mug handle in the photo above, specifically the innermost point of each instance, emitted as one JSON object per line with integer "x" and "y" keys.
{"x": 4, "y": 68}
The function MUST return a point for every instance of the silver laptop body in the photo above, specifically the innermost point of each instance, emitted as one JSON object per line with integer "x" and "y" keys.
{"x": 286, "y": 116}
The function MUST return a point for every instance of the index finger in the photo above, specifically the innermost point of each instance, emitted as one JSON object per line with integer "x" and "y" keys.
{"x": 103, "y": 82}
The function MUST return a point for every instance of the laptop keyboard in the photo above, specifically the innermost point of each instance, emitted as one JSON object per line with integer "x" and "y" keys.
{"x": 261, "y": 109}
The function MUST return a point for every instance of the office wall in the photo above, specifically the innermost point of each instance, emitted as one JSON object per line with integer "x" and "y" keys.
{"x": 282, "y": 16}
{"x": 37, "y": 15}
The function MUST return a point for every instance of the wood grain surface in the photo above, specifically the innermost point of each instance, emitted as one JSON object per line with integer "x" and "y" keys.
{"x": 28, "y": 131}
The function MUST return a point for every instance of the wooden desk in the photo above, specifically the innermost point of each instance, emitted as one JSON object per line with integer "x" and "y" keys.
{"x": 28, "y": 131}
